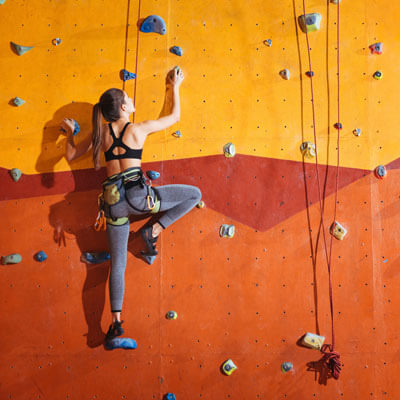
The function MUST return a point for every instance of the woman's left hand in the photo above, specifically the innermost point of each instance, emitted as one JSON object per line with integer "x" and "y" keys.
{"x": 68, "y": 125}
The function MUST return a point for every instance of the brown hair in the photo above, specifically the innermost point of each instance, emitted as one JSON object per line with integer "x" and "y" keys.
{"x": 109, "y": 106}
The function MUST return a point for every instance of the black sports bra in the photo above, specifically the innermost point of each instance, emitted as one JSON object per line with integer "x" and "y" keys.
{"x": 117, "y": 142}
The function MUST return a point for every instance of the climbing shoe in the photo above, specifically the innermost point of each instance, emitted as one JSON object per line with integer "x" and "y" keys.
{"x": 149, "y": 240}
{"x": 114, "y": 330}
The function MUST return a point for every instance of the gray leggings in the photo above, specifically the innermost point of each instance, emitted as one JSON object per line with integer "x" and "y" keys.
{"x": 176, "y": 200}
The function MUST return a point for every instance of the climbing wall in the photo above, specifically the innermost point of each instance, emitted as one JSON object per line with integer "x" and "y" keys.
{"x": 250, "y": 298}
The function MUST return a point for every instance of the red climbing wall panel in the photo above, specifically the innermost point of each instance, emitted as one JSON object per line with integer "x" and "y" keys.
{"x": 249, "y": 298}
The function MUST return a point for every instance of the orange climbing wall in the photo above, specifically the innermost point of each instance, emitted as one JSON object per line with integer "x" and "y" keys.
{"x": 249, "y": 298}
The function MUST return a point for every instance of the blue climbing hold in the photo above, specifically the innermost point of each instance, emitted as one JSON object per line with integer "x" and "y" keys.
{"x": 2, "y": 1}
{"x": 126, "y": 75}
{"x": 40, "y": 256}
{"x": 169, "y": 396}
{"x": 147, "y": 258}
{"x": 18, "y": 101}
{"x": 154, "y": 23}
{"x": 153, "y": 175}
{"x": 20, "y": 49}
{"x": 76, "y": 128}
{"x": 177, "y": 134}
{"x": 56, "y": 41}
{"x": 16, "y": 174}
{"x": 121, "y": 343}
{"x": 95, "y": 258}
{"x": 176, "y": 50}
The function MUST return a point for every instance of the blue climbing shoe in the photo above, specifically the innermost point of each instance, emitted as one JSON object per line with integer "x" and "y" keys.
{"x": 121, "y": 343}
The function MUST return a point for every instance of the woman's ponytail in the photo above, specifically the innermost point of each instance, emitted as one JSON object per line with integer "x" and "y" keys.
{"x": 97, "y": 138}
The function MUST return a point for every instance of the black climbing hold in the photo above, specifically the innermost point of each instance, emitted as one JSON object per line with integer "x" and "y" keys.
{"x": 378, "y": 75}
{"x": 126, "y": 75}
{"x": 176, "y": 50}
{"x": 310, "y": 73}
{"x": 338, "y": 125}
{"x": 154, "y": 23}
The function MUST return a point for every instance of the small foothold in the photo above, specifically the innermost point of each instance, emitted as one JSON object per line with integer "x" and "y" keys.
{"x": 153, "y": 175}
{"x": 380, "y": 171}
{"x": 338, "y": 126}
{"x": 15, "y": 174}
{"x": 310, "y": 22}
{"x": 171, "y": 315}
{"x": 2, "y": 1}
{"x": 18, "y": 101}
{"x": 313, "y": 341}
{"x": 148, "y": 259}
{"x": 335, "y": 1}
{"x": 286, "y": 366}
{"x": 228, "y": 367}
{"x": 76, "y": 128}
{"x": 126, "y": 75}
{"x": 338, "y": 231}
{"x": 154, "y": 23}
{"x": 95, "y": 257}
{"x": 310, "y": 73}
{"x": 177, "y": 134}
{"x": 307, "y": 149}
{"x": 357, "y": 132}
{"x": 11, "y": 259}
{"x": 169, "y": 396}
{"x": 120, "y": 343}
{"x": 40, "y": 256}
{"x": 229, "y": 150}
{"x": 21, "y": 49}
{"x": 268, "y": 42}
{"x": 176, "y": 50}
{"x": 56, "y": 41}
{"x": 378, "y": 75}
{"x": 227, "y": 231}
{"x": 285, "y": 74}
{"x": 201, "y": 204}
{"x": 376, "y": 48}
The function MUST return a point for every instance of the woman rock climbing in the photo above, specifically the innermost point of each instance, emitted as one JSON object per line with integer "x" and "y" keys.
{"x": 126, "y": 191}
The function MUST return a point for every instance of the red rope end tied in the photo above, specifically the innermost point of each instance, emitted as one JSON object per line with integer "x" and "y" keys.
{"x": 332, "y": 360}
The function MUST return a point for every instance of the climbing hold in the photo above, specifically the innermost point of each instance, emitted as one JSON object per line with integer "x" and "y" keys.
{"x": 357, "y": 132}
{"x": 335, "y": 1}
{"x": 376, "y": 48}
{"x": 2, "y": 1}
{"x": 147, "y": 258}
{"x": 76, "y": 128}
{"x": 120, "y": 343}
{"x": 56, "y": 41}
{"x": 153, "y": 175}
{"x": 285, "y": 74}
{"x": 307, "y": 149}
{"x": 313, "y": 341}
{"x": 16, "y": 174}
{"x": 227, "y": 231}
{"x": 177, "y": 134}
{"x": 310, "y": 22}
{"x": 310, "y": 73}
{"x": 11, "y": 259}
{"x": 154, "y": 23}
{"x": 338, "y": 126}
{"x": 95, "y": 257}
{"x": 18, "y": 101}
{"x": 169, "y": 396}
{"x": 338, "y": 231}
{"x": 201, "y": 204}
{"x": 268, "y": 42}
{"x": 20, "y": 49}
{"x": 286, "y": 366}
{"x": 171, "y": 315}
{"x": 229, "y": 150}
{"x": 176, "y": 50}
{"x": 126, "y": 75}
{"x": 380, "y": 171}
{"x": 378, "y": 75}
{"x": 40, "y": 256}
{"x": 228, "y": 367}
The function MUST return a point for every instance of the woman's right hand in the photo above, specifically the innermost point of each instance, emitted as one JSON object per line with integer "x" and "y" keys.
{"x": 175, "y": 77}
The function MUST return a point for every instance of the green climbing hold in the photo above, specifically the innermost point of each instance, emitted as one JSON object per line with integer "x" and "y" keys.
{"x": 20, "y": 49}
{"x": 310, "y": 22}
{"x": 11, "y": 259}
{"x": 15, "y": 174}
{"x": 18, "y": 101}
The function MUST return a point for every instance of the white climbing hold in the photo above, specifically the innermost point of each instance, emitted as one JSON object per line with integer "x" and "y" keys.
{"x": 229, "y": 150}
{"x": 308, "y": 149}
{"x": 18, "y": 101}
{"x": 338, "y": 231}
{"x": 285, "y": 74}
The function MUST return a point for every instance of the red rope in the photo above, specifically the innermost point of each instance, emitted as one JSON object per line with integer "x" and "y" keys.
{"x": 331, "y": 358}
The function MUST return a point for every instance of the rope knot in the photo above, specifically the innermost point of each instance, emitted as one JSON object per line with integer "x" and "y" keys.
{"x": 332, "y": 360}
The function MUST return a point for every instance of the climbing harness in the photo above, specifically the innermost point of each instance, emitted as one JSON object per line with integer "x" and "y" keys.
{"x": 331, "y": 357}
{"x": 114, "y": 191}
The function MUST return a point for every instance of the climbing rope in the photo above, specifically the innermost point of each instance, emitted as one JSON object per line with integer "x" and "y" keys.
{"x": 330, "y": 357}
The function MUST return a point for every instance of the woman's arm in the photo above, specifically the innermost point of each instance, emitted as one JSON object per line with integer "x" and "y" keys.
{"x": 73, "y": 151}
